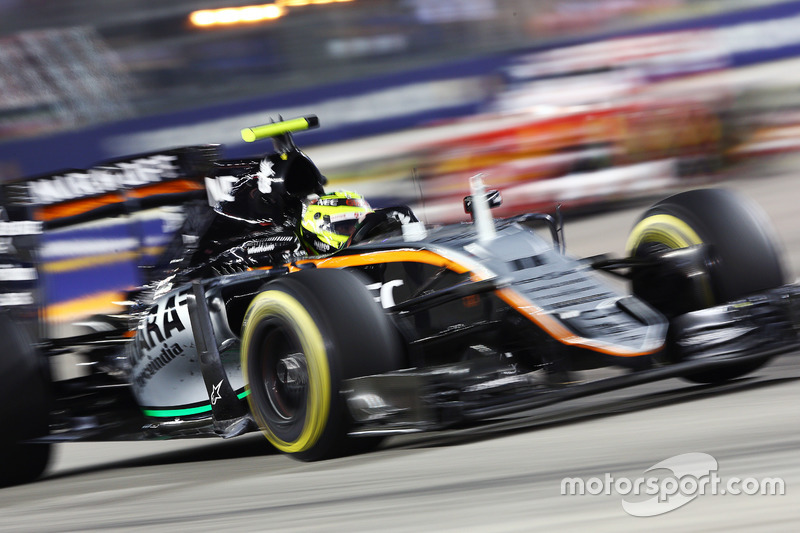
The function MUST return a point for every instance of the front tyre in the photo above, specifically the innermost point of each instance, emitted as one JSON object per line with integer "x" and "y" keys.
{"x": 302, "y": 336}
{"x": 744, "y": 256}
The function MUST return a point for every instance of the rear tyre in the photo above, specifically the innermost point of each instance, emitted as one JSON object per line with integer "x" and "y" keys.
{"x": 23, "y": 406}
{"x": 744, "y": 256}
{"x": 302, "y": 336}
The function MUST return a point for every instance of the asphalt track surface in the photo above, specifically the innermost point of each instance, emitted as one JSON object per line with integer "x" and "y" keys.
{"x": 503, "y": 476}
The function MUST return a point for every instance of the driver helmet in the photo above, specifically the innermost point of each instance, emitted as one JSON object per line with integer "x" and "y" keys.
{"x": 329, "y": 221}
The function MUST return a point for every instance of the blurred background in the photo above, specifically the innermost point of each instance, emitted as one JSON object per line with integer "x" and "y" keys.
{"x": 578, "y": 102}
{"x": 587, "y": 103}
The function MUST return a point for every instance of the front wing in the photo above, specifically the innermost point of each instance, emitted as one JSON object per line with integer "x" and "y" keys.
{"x": 746, "y": 332}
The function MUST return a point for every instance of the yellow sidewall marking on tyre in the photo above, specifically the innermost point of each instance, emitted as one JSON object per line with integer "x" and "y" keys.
{"x": 670, "y": 231}
{"x": 279, "y": 304}
{"x": 665, "y": 229}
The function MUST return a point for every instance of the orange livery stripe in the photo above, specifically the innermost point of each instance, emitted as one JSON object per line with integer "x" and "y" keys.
{"x": 534, "y": 313}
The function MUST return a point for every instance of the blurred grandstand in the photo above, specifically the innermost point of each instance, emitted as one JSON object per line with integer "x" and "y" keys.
{"x": 576, "y": 102}
{"x": 74, "y": 63}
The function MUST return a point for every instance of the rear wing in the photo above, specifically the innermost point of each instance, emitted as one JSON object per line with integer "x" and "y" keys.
{"x": 140, "y": 182}
{"x": 73, "y": 242}
{"x": 114, "y": 187}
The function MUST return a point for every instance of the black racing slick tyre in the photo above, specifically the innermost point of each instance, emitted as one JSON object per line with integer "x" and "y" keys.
{"x": 23, "y": 406}
{"x": 744, "y": 257}
{"x": 302, "y": 336}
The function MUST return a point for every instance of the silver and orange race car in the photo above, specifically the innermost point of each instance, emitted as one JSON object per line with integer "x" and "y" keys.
{"x": 407, "y": 328}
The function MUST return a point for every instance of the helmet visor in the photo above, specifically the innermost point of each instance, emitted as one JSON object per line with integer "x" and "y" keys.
{"x": 345, "y": 227}
{"x": 343, "y": 224}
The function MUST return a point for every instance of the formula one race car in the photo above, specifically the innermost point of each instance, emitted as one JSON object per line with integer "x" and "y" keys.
{"x": 406, "y": 328}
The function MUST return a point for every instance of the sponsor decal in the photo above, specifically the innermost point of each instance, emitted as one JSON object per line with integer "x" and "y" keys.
{"x": 220, "y": 189}
{"x": 97, "y": 180}
{"x": 22, "y": 227}
{"x": 264, "y": 175}
{"x": 321, "y": 246}
{"x": 167, "y": 354}
{"x": 385, "y": 292}
{"x": 17, "y": 274}
{"x": 260, "y": 249}
{"x": 215, "y": 395}
{"x": 328, "y": 202}
{"x": 345, "y": 216}
{"x": 162, "y": 322}
{"x": 16, "y": 298}
{"x": 268, "y": 244}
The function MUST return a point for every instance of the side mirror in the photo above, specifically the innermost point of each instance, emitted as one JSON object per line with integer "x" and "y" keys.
{"x": 493, "y": 198}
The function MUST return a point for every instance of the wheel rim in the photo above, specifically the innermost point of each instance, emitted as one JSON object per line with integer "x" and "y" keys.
{"x": 661, "y": 232}
{"x": 281, "y": 378}
{"x": 284, "y": 376}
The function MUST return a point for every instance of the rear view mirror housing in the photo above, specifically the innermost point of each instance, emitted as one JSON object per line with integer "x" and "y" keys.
{"x": 493, "y": 198}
